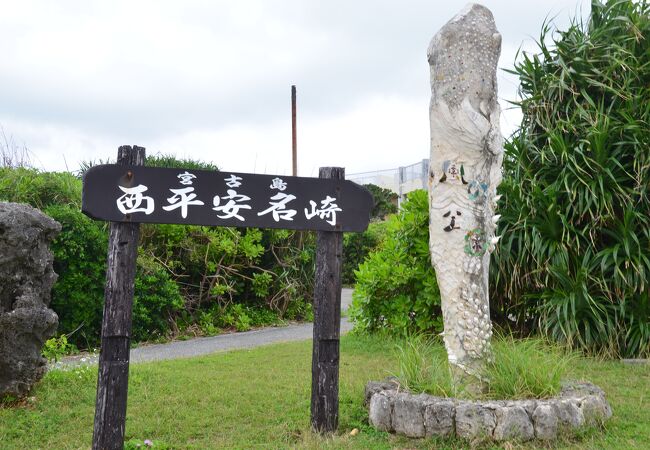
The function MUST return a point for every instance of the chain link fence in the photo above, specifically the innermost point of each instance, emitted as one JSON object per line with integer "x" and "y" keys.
{"x": 401, "y": 180}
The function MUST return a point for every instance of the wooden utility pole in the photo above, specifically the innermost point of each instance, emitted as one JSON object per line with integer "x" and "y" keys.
{"x": 327, "y": 323}
{"x": 113, "y": 376}
{"x": 294, "y": 137}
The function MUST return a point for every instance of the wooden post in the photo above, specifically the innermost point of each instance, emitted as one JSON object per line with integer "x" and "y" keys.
{"x": 327, "y": 324}
{"x": 113, "y": 377}
{"x": 294, "y": 134}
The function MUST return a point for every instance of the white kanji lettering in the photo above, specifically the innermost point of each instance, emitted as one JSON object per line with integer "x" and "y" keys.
{"x": 132, "y": 199}
{"x": 186, "y": 178}
{"x": 327, "y": 210}
{"x": 233, "y": 181}
{"x": 231, "y": 209}
{"x": 182, "y": 198}
{"x": 279, "y": 184}
{"x": 279, "y": 208}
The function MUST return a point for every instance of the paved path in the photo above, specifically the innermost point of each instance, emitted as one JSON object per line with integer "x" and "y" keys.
{"x": 223, "y": 342}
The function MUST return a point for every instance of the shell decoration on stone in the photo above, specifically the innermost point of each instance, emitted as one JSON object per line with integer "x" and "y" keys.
{"x": 465, "y": 169}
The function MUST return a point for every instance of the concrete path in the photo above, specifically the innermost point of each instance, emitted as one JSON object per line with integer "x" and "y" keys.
{"x": 220, "y": 343}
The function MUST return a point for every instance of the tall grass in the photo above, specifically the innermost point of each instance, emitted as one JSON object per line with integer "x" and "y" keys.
{"x": 574, "y": 261}
{"x": 520, "y": 368}
{"x": 423, "y": 367}
{"x": 11, "y": 153}
{"x": 526, "y": 368}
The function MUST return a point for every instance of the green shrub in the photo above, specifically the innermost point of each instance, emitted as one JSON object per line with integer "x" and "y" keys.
{"x": 357, "y": 246}
{"x": 80, "y": 252}
{"x": 236, "y": 317}
{"x": 80, "y": 261}
{"x": 574, "y": 260}
{"x": 156, "y": 160}
{"x": 55, "y": 348}
{"x": 156, "y": 299}
{"x": 39, "y": 189}
{"x": 183, "y": 272}
{"x": 396, "y": 286}
{"x": 171, "y": 161}
{"x": 384, "y": 201}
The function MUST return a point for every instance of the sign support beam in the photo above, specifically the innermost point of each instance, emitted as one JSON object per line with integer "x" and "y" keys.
{"x": 113, "y": 376}
{"x": 294, "y": 132}
{"x": 327, "y": 323}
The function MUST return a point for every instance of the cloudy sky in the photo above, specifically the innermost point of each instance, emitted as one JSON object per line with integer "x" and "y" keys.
{"x": 211, "y": 80}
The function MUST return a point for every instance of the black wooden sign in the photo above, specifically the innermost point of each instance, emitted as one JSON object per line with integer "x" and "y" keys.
{"x": 185, "y": 196}
{"x": 129, "y": 193}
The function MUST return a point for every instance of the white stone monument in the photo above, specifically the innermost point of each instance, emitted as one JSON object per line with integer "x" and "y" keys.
{"x": 465, "y": 169}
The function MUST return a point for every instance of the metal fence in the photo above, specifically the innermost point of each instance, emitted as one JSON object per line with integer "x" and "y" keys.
{"x": 401, "y": 180}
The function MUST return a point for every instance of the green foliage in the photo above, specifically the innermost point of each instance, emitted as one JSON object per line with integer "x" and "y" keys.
{"x": 236, "y": 317}
{"x": 171, "y": 161}
{"x": 574, "y": 260}
{"x": 157, "y": 160}
{"x": 39, "y": 189}
{"x": 78, "y": 295}
{"x": 156, "y": 299}
{"x": 528, "y": 368}
{"x": 184, "y": 273}
{"x": 248, "y": 394}
{"x": 133, "y": 444}
{"x": 385, "y": 201}
{"x": 396, "y": 286}
{"x": 219, "y": 266}
{"x": 80, "y": 261}
{"x": 261, "y": 283}
{"x": 423, "y": 367}
{"x": 357, "y": 246}
{"x": 55, "y": 348}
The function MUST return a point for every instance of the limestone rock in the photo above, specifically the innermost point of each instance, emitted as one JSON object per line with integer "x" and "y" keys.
{"x": 569, "y": 413}
{"x": 500, "y": 420}
{"x": 474, "y": 421}
{"x": 465, "y": 169}
{"x": 595, "y": 409}
{"x": 580, "y": 389}
{"x": 439, "y": 418}
{"x": 513, "y": 423}
{"x": 26, "y": 279}
{"x": 372, "y": 387}
{"x": 529, "y": 405}
{"x": 380, "y": 410}
{"x": 408, "y": 418}
{"x": 545, "y": 422}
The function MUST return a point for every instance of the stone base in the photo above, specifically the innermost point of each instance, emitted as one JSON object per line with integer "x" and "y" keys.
{"x": 578, "y": 405}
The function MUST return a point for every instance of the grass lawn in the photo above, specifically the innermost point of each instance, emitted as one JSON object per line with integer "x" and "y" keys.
{"x": 259, "y": 398}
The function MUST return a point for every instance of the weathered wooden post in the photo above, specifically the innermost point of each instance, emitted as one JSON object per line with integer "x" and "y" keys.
{"x": 113, "y": 377}
{"x": 327, "y": 323}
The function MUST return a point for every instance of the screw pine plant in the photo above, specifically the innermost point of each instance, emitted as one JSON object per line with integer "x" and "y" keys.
{"x": 575, "y": 253}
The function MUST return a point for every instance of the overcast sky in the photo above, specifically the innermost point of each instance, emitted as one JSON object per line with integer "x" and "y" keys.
{"x": 211, "y": 80}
